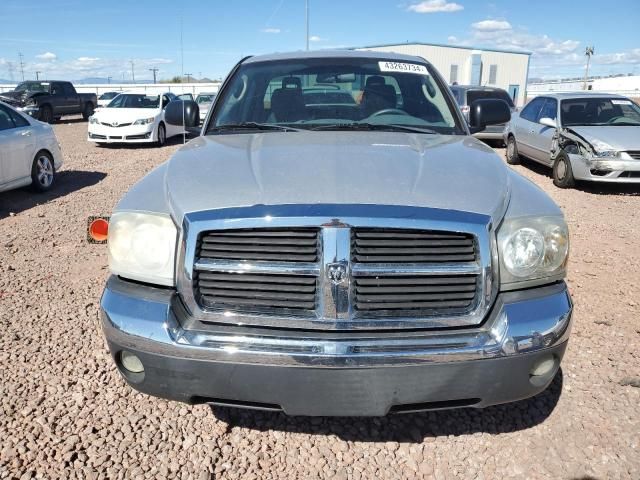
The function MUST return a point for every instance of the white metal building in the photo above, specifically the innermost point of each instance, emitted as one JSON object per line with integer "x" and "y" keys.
{"x": 471, "y": 66}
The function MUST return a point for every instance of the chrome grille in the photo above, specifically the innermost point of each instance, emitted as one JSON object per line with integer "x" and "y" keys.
{"x": 256, "y": 291}
{"x": 370, "y": 245}
{"x": 635, "y": 154}
{"x": 274, "y": 245}
{"x": 321, "y": 270}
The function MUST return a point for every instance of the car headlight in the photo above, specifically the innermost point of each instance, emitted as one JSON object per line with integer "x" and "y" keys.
{"x": 142, "y": 247}
{"x": 93, "y": 119}
{"x": 144, "y": 121}
{"x": 531, "y": 249}
{"x": 603, "y": 149}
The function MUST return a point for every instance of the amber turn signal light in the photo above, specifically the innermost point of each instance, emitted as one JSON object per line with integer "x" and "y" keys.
{"x": 98, "y": 229}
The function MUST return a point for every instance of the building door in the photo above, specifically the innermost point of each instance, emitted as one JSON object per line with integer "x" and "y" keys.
{"x": 514, "y": 90}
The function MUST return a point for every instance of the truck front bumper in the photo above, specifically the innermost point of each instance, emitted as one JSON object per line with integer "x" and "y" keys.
{"x": 514, "y": 355}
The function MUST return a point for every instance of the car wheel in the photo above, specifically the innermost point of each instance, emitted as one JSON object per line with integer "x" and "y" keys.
{"x": 46, "y": 114}
{"x": 88, "y": 111}
{"x": 562, "y": 172}
{"x": 162, "y": 135}
{"x": 43, "y": 173}
{"x": 513, "y": 158}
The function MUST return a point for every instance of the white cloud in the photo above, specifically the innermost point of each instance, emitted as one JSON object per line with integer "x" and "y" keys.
{"x": 86, "y": 66}
{"x": 47, "y": 56}
{"x": 491, "y": 25}
{"x": 316, "y": 38}
{"x": 452, "y": 39}
{"x": 270, "y": 30}
{"x": 435, "y": 6}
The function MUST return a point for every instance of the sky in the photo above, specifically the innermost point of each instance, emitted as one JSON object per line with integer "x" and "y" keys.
{"x": 85, "y": 38}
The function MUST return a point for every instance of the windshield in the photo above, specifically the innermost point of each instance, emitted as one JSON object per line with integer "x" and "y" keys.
{"x": 599, "y": 111}
{"x": 108, "y": 96}
{"x": 205, "y": 98}
{"x": 135, "y": 101}
{"x": 473, "y": 95}
{"x": 341, "y": 92}
{"x": 32, "y": 87}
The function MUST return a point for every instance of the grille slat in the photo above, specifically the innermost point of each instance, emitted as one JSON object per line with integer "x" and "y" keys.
{"x": 635, "y": 154}
{"x": 370, "y": 245}
{"x": 415, "y": 295}
{"x": 273, "y": 245}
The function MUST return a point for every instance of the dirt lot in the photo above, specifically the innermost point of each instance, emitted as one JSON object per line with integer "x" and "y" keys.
{"x": 66, "y": 413}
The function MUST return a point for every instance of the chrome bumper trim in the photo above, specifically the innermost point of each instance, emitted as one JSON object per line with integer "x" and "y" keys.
{"x": 142, "y": 318}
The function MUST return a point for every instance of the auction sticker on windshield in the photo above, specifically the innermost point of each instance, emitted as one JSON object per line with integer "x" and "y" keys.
{"x": 403, "y": 67}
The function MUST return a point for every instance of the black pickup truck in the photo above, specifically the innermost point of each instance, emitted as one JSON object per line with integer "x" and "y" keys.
{"x": 48, "y": 101}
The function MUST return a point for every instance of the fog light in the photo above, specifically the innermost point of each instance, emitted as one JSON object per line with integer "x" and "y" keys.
{"x": 544, "y": 366}
{"x": 131, "y": 362}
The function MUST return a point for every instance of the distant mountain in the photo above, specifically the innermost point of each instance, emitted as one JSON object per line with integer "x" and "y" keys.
{"x": 4, "y": 81}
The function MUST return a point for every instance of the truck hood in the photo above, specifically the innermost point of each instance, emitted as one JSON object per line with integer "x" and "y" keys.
{"x": 124, "y": 115}
{"x": 619, "y": 137}
{"x": 381, "y": 168}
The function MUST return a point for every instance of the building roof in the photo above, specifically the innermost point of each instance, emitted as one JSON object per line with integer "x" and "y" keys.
{"x": 517, "y": 52}
{"x": 334, "y": 54}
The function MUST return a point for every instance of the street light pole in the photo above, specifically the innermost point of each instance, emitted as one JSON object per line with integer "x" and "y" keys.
{"x": 588, "y": 52}
{"x": 38, "y": 72}
{"x": 307, "y": 22}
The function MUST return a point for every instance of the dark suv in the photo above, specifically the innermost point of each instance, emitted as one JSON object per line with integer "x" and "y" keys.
{"x": 467, "y": 94}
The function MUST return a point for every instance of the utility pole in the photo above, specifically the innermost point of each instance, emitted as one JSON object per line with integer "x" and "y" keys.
{"x": 588, "y": 52}
{"x": 38, "y": 72}
{"x": 133, "y": 72}
{"x": 21, "y": 64}
{"x": 109, "y": 79}
{"x": 306, "y": 11}
{"x": 154, "y": 70}
{"x": 188, "y": 75}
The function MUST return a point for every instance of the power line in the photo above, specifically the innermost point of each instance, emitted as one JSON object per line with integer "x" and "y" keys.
{"x": 154, "y": 70}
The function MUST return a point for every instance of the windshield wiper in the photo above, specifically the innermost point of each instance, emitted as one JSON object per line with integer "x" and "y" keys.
{"x": 374, "y": 126}
{"x": 252, "y": 126}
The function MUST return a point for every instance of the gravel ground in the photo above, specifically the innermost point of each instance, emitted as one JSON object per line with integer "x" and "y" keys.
{"x": 66, "y": 413}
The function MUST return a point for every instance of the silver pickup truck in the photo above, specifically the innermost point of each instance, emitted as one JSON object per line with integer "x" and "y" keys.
{"x": 337, "y": 257}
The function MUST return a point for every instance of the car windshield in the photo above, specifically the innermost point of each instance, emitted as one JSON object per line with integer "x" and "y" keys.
{"x": 108, "y": 96}
{"x": 205, "y": 98}
{"x": 473, "y": 95}
{"x": 32, "y": 87}
{"x": 339, "y": 93}
{"x": 599, "y": 112}
{"x": 135, "y": 101}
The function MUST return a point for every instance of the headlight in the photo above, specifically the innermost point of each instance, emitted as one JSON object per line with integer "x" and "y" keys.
{"x": 603, "y": 149}
{"x": 142, "y": 247}
{"x": 93, "y": 119}
{"x": 532, "y": 248}
{"x": 144, "y": 121}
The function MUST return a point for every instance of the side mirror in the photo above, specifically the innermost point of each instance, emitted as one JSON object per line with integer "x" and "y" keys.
{"x": 547, "y": 122}
{"x": 182, "y": 113}
{"x": 488, "y": 111}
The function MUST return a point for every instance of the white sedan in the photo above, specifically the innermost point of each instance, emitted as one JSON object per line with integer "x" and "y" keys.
{"x": 133, "y": 118}
{"x": 29, "y": 151}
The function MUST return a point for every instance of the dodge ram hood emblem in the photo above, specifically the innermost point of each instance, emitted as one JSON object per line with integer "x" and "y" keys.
{"x": 337, "y": 273}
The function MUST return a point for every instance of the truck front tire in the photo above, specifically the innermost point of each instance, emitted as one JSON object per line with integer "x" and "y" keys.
{"x": 87, "y": 111}
{"x": 45, "y": 114}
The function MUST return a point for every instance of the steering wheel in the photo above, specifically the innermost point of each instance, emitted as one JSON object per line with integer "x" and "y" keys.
{"x": 389, "y": 111}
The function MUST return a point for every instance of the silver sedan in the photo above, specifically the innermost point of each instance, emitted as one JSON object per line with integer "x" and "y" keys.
{"x": 29, "y": 151}
{"x": 581, "y": 136}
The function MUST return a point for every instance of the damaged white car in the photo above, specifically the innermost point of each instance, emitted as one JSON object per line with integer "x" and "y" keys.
{"x": 582, "y": 136}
